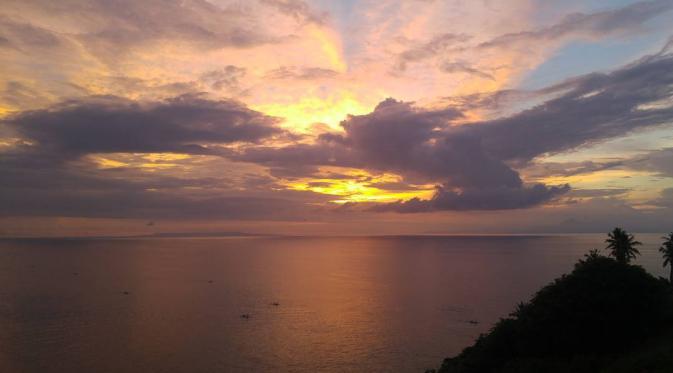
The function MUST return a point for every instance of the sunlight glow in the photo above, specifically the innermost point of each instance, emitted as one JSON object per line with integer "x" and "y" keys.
{"x": 148, "y": 162}
{"x": 330, "y": 46}
{"x": 363, "y": 187}
{"x": 598, "y": 179}
{"x": 301, "y": 114}
{"x": 105, "y": 163}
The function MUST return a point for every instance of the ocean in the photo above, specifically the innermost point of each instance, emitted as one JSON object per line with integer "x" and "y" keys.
{"x": 268, "y": 304}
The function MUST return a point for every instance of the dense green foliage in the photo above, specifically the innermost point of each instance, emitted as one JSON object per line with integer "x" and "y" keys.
{"x": 582, "y": 322}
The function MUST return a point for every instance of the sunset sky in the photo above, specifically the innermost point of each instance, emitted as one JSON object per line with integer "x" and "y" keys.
{"x": 125, "y": 117}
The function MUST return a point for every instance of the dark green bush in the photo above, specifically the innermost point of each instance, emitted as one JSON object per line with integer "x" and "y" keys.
{"x": 581, "y": 322}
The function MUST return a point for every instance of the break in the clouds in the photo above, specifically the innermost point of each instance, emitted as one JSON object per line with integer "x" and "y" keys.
{"x": 323, "y": 113}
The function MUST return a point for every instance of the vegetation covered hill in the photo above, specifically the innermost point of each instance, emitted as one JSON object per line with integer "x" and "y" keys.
{"x": 605, "y": 316}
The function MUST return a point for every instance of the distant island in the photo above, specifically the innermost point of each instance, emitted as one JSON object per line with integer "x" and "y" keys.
{"x": 607, "y": 316}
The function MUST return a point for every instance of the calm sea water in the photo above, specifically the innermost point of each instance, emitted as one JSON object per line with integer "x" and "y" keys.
{"x": 377, "y": 304}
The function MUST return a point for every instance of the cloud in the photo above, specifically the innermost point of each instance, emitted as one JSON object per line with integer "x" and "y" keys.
{"x": 17, "y": 94}
{"x": 475, "y": 163}
{"x": 598, "y": 215}
{"x": 303, "y": 73}
{"x": 110, "y": 29}
{"x": 37, "y": 183}
{"x": 476, "y": 166}
{"x": 597, "y": 193}
{"x": 397, "y": 137}
{"x": 430, "y": 48}
{"x": 616, "y": 22}
{"x": 462, "y": 67}
{"x": 4, "y": 42}
{"x": 297, "y": 9}
{"x": 21, "y": 34}
{"x": 546, "y": 169}
{"x": 659, "y": 161}
{"x": 123, "y": 203}
{"x": 226, "y": 78}
{"x": 49, "y": 169}
{"x": 664, "y": 200}
{"x": 198, "y": 23}
{"x": 595, "y": 107}
{"x": 482, "y": 198}
{"x": 186, "y": 124}
{"x": 612, "y": 22}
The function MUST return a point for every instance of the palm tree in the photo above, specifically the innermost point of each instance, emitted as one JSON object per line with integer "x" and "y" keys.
{"x": 622, "y": 245}
{"x": 667, "y": 249}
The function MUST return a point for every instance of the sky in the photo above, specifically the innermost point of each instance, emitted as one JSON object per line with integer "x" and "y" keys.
{"x": 335, "y": 117}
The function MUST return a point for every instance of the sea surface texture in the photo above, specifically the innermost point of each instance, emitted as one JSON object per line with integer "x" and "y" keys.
{"x": 268, "y": 304}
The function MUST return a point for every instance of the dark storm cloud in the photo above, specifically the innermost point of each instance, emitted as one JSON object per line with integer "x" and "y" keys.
{"x": 474, "y": 162}
{"x": 627, "y": 19}
{"x": 185, "y": 124}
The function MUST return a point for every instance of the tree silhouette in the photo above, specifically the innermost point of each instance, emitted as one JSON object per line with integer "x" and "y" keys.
{"x": 667, "y": 250}
{"x": 622, "y": 245}
{"x": 603, "y": 317}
